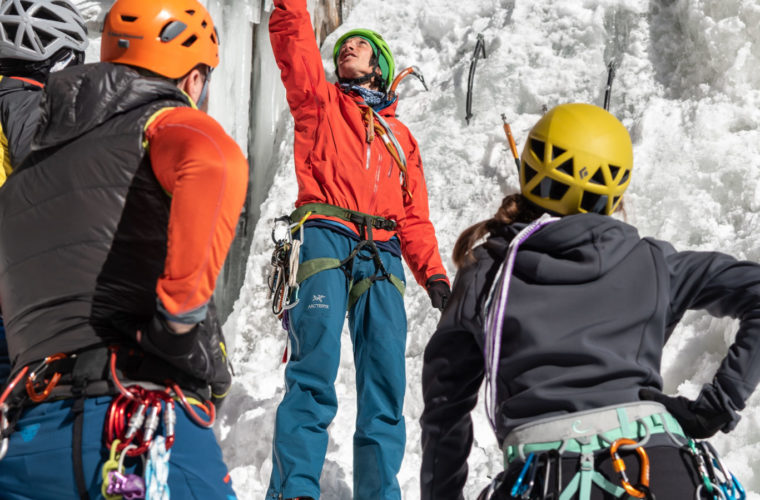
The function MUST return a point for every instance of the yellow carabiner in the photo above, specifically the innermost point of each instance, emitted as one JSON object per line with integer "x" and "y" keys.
{"x": 112, "y": 464}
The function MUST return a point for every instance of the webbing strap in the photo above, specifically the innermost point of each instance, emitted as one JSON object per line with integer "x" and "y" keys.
{"x": 311, "y": 267}
{"x": 583, "y": 480}
{"x": 76, "y": 447}
{"x": 362, "y": 286}
{"x": 342, "y": 213}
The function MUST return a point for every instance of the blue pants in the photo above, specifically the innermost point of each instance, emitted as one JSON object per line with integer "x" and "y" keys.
{"x": 378, "y": 331}
{"x": 38, "y": 463}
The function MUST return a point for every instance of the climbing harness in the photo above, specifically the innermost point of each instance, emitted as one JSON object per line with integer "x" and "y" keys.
{"x": 496, "y": 309}
{"x": 364, "y": 224}
{"x": 511, "y": 140}
{"x": 480, "y": 52}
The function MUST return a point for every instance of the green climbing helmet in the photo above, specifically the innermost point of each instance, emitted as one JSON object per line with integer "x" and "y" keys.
{"x": 379, "y": 47}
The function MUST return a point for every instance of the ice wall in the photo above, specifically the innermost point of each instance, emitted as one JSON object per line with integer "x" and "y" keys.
{"x": 686, "y": 87}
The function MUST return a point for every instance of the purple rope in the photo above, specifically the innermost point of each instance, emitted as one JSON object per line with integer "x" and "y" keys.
{"x": 496, "y": 310}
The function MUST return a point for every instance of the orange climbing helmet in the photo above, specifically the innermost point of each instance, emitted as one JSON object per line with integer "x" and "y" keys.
{"x": 167, "y": 37}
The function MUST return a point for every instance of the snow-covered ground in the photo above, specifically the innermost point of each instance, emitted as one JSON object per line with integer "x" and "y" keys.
{"x": 688, "y": 89}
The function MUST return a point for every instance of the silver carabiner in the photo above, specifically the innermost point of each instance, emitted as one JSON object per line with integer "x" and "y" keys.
{"x": 3, "y": 427}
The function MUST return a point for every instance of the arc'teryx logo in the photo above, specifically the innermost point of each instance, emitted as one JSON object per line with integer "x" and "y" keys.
{"x": 317, "y": 302}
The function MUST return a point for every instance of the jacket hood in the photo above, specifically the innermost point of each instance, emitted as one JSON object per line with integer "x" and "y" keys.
{"x": 80, "y": 98}
{"x": 575, "y": 249}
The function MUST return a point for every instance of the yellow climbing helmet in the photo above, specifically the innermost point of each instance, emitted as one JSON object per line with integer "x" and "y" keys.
{"x": 578, "y": 158}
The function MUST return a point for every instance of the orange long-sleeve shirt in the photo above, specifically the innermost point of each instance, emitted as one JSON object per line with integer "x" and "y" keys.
{"x": 206, "y": 174}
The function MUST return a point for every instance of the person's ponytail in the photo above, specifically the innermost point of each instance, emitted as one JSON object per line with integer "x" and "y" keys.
{"x": 514, "y": 208}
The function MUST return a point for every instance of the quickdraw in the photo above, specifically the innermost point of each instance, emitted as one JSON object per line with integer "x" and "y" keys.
{"x": 641, "y": 490}
{"x": 282, "y": 275}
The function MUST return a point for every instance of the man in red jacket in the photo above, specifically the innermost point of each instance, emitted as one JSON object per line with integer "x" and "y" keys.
{"x": 362, "y": 193}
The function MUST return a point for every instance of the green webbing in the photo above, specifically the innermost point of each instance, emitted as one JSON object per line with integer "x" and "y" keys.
{"x": 362, "y": 286}
{"x": 339, "y": 212}
{"x": 355, "y": 290}
{"x": 585, "y": 477}
{"x": 311, "y": 267}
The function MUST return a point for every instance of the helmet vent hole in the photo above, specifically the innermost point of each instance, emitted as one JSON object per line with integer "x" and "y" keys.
{"x": 128, "y": 19}
{"x": 626, "y": 175}
{"x": 598, "y": 178}
{"x": 592, "y": 202}
{"x": 556, "y": 151}
{"x": 566, "y": 167}
{"x": 11, "y": 30}
{"x": 27, "y": 42}
{"x": 43, "y": 13}
{"x": 538, "y": 148}
{"x": 172, "y": 30}
{"x": 204, "y": 23}
{"x": 45, "y": 38}
{"x": 191, "y": 40}
{"x": 614, "y": 171}
{"x": 558, "y": 190}
{"x": 529, "y": 173}
{"x": 190, "y": 11}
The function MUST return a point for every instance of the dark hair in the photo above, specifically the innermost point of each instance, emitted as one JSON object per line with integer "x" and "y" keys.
{"x": 514, "y": 208}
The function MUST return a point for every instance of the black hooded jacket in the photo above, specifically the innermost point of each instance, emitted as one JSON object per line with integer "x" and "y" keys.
{"x": 83, "y": 220}
{"x": 590, "y": 306}
{"x": 19, "y": 116}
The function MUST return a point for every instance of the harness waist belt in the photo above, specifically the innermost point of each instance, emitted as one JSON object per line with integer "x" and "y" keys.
{"x": 591, "y": 430}
{"x": 358, "y": 218}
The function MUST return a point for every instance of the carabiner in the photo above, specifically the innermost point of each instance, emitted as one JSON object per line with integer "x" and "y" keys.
{"x": 519, "y": 488}
{"x": 39, "y": 397}
{"x": 641, "y": 490}
{"x": 3, "y": 427}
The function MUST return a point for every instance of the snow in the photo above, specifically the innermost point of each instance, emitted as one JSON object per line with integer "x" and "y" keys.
{"x": 687, "y": 87}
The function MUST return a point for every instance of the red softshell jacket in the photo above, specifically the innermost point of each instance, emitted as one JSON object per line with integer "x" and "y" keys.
{"x": 334, "y": 161}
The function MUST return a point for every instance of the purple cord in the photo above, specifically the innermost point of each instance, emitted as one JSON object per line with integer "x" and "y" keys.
{"x": 496, "y": 310}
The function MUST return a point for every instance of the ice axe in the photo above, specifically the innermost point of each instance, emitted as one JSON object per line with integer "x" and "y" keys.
{"x": 411, "y": 70}
{"x": 511, "y": 140}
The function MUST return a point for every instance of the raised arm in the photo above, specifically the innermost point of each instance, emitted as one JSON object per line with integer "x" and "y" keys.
{"x": 297, "y": 54}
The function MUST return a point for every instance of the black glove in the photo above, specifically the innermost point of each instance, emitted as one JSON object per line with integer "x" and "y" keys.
{"x": 700, "y": 419}
{"x": 189, "y": 352}
{"x": 222, "y": 371}
{"x": 439, "y": 292}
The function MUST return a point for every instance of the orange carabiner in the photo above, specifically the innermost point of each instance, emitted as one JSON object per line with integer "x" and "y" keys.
{"x": 39, "y": 397}
{"x": 641, "y": 490}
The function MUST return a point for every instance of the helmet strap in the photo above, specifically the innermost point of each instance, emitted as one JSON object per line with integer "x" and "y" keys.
{"x": 204, "y": 90}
